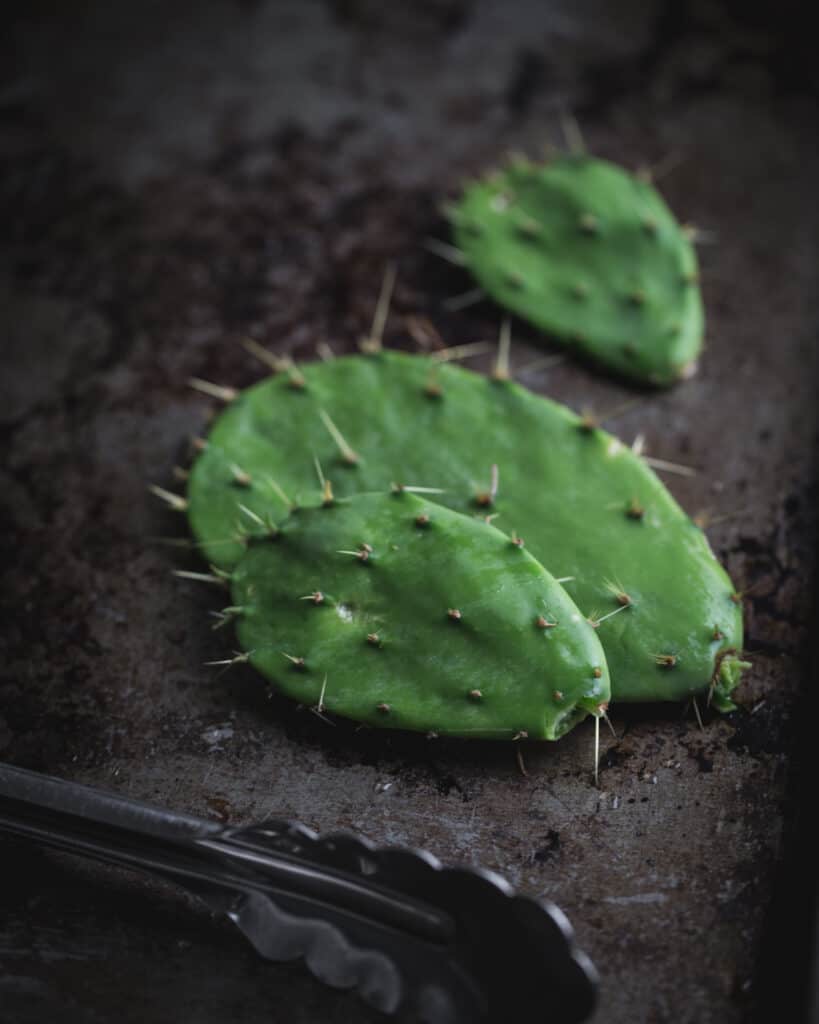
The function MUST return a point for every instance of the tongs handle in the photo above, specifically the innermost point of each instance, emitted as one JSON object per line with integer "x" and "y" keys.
{"x": 31, "y": 793}
{"x": 105, "y": 826}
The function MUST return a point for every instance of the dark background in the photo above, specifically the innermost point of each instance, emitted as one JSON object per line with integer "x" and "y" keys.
{"x": 178, "y": 176}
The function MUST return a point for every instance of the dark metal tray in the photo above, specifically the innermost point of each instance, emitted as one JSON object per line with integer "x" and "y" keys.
{"x": 180, "y": 176}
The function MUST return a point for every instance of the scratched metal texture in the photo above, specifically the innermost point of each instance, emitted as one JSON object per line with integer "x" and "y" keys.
{"x": 180, "y": 176}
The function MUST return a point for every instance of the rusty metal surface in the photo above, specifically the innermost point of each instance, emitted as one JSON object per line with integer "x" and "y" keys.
{"x": 177, "y": 180}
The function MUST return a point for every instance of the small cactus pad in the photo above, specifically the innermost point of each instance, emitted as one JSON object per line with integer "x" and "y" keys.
{"x": 583, "y": 503}
{"x": 425, "y": 623}
{"x": 593, "y": 256}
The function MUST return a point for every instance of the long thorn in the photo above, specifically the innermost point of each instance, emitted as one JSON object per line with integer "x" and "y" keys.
{"x": 279, "y": 492}
{"x": 252, "y": 515}
{"x": 372, "y": 342}
{"x": 596, "y": 749}
{"x": 669, "y": 467}
{"x": 347, "y": 452}
{"x": 275, "y": 363}
{"x": 501, "y": 369}
{"x": 362, "y": 554}
{"x": 240, "y": 476}
{"x": 464, "y": 300}
{"x": 488, "y": 497}
{"x": 572, "y": 134}
{"x": 423, "y": 332}
{"x": 239, "y": 658}
{"x": 224, "y": 394}
{"x": 325, "y": 352}
{"x": 200, "y": 577}
{"x": 474, "y": 348}
{"x": 697, "y": 712}
{"x": 174, "y": 501}
{"x": 226, "y": 615}
{"x": 445, "y": 251}
{"x": 596, "y": 622}
{"x": 320, "y": 705}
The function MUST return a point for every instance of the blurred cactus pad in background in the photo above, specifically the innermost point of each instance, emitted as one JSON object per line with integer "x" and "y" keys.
{"x": 593, "y": 256}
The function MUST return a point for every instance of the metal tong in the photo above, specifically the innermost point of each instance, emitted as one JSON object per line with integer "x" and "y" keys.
{"x": 451, "y": 945}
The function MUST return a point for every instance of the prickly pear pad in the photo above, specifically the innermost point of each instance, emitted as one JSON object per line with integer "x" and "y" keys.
{"x": 585, "y": 504}
{"x": 593, "y": 256}
{"x": 418, "y": 618}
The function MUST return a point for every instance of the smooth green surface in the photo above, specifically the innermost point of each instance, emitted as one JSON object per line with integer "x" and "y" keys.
{"x": 435, "y": 629}
{"x": 567, "y": 490}
{"x": 593, "y": 256}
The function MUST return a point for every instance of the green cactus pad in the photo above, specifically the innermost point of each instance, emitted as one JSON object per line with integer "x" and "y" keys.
{"x": 585, "y": 504}
{"x": 401, "y": 613}
{"x": 593, "y": 256}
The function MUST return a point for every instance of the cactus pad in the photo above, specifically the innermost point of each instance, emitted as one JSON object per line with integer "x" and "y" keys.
{"x": 585, "y": 504}
{"x": 591, "y": 255}
{"x": 401, "y": 613}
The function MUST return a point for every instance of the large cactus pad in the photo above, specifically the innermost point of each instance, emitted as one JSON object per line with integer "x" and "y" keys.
{"x": 402, "y": 613}
{"x": 586, "y": 506}
{"x": 593, "y": 256}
